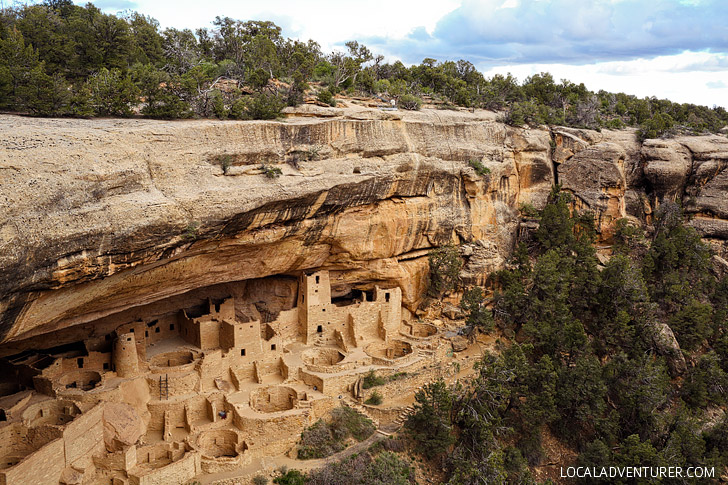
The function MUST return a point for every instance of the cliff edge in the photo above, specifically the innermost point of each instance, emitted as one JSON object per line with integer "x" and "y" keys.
{"x": 99, "y": 217}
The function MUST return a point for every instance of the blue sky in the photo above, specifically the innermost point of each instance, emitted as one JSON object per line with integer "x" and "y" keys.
{"x": 676, "y": 49}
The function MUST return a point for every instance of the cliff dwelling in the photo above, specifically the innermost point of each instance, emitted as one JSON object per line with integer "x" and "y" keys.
{"x": 204, "y": 389}
{"x": 168, "y": 321}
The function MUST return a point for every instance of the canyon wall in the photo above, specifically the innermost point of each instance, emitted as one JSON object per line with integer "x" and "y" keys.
{"x": 98, "y": 217}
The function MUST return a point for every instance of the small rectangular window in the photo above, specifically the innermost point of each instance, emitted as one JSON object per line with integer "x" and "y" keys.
{"x": 386, "y": 297}
{"x": 156, "y": 330}
{"x": 317, "y": 280}
{"x": 319, "y": 329}
{"x": 131, "y": 330}
{"x": 242, "y": 352}
{"x": 106, "y": 366}
{"x": 171, "y": 326}
{"x": 272, "y": 346}
{"x": 146, "y": 333}
{"x": 80, "y": 363}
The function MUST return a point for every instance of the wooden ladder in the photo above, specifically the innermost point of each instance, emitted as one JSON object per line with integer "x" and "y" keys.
{"x": 164, "y": 387}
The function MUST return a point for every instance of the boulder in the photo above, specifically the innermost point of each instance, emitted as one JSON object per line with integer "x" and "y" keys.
{"x": 667, "y": 167}
{"x": 122, "y": 426}
{"x": 459, "y": 343}
{"x": 667, "y": 345}
{"x": 452, "y": 312}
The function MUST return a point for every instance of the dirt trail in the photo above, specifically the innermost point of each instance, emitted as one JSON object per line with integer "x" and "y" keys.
{"x": 267, "y": 464}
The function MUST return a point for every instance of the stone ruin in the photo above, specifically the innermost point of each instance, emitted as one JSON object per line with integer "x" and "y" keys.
{"x": 200, "y": 390}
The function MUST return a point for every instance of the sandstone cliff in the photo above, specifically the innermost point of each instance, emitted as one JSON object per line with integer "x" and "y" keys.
{"x": 103, "y": 216}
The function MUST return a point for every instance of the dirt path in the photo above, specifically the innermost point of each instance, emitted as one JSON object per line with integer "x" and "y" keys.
{"x": 266, "y": 464}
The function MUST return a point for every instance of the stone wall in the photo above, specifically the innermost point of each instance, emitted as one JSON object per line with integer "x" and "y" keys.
{"x": 49, "y": 449}
{"x": 180, "y": 471}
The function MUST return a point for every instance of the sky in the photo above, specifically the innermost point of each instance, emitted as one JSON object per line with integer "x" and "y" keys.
{"x": 674, "y": 49}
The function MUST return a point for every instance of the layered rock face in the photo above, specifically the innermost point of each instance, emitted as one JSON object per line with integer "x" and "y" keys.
{"x": 100, "y": 217}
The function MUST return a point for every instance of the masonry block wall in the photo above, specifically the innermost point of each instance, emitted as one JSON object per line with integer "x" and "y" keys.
{"x": 242, "y": 338}
{"x": 76, "y": 444}
{"x": 321, "y": 320}
{"x": 84, "y": 436}
{"x": 125, "y": 355}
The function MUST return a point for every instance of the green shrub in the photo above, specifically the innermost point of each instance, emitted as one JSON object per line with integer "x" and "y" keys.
{"x": 658, "y": 126}
{"x": 615, "y": 124}
{"x": 218, "y": 105}
{"x": 372, "y": 380}
{"x": 323, "y": 439}
{"x": 237, "y": 109}
{"x": 409, "y": 102}
{"x": 327, "y": 97}
{"x": 191, "y": 230}
{"x": 112, "y": 93}
{"x": 349, "y": 422}
{"x": 270, "y": 171}
{"x": 528, "y": 210}
{"x": 290, "y": 477}
{"x": 318, "y": 441}
{"x": 429, "y": 425}
{"x": 260, "y": 480}
{"x": 225, "y": 160}
{"x": 522, "y": 113}
{"x": 364, "y": 469}
{"x": 474, "y": 306}
{"x": 480, "y": 169}
{"x": 375, "y": 399}
{"x": 263, "y": 106}
{"x": 396, "y": 376}
{"x": 445, "y": 267}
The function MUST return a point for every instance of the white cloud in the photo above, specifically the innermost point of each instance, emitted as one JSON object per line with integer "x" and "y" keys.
{"x": 662, "y": 77}
{"x": 328, "y": 22}
{"x": 632, "y": 38}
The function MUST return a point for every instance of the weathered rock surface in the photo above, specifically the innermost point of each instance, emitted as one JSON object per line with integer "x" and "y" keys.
{"x": 99, "y": 217}
{"x": 122, "y": 426}
{"x": 666, "y": 344}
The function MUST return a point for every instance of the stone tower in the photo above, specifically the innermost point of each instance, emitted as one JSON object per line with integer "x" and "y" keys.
{"x": 314, "y": 295}
{"x": 125, "y": 358}
{"x": 314, "y": 289}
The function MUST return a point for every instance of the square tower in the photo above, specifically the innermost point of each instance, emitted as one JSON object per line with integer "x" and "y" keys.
{"x": 314, "y": 297}
{"x": 314, "y": 289}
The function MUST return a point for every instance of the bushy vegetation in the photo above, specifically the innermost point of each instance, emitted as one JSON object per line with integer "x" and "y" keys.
{"x": 290, "y": 477}
{"x": 587, "y": 367}
{"x": 378, "y": 465}
{"x": 365, "y": 469}
{"x": 324, "y": 438}
{"x": 445, "y": 264}
{"x": 430, "y": 424}
{"x": 375, "y": 399}
{"x": 476, "y": 313}
{"x": 410, "y": 102}
{"x": 480, "y": 169}
{"x": 61, "y": 59}
{"x": 270, "y": 171}
{"x": 372, "y": 380}
{"x": 326, "y": 97}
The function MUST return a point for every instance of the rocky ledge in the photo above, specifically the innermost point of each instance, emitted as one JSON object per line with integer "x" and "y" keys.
{"x": 99, "y": 217}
